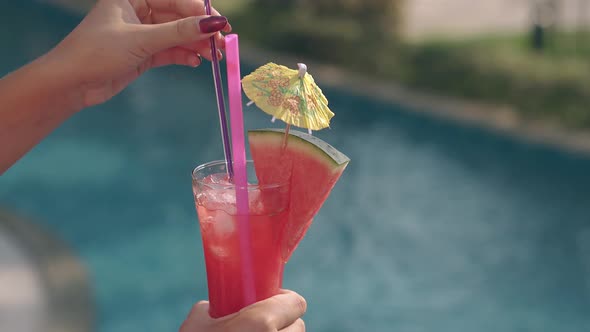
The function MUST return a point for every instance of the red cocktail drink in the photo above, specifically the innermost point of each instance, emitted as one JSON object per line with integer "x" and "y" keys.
{"x": 219, "y": 222}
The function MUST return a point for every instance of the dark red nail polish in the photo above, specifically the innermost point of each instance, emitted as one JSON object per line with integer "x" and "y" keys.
{"x": 212, "y": 24}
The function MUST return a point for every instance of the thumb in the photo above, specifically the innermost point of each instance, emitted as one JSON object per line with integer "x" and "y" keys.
{"x": 158, "y": 37}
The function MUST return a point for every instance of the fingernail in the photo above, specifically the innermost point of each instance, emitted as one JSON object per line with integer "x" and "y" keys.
{"x": 194, "y": 60}
{"x": 212, "y": 24}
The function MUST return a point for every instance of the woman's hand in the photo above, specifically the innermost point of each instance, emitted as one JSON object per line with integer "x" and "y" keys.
{"x": 114, "y": 44}
{"x": 282, "y": 313}
{"x": 121, "y": 39}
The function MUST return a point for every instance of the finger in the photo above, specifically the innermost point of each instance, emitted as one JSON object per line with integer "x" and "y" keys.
{"x": 220, "y": 41}
{"x": 279, "y": 311}
{"x": 199, "y": 314}
{"x": 199, "y": 309}
{"x": 141, "y": 10}
{"x": 202, "y": 45}
{"x": 198, "y": 46}
{"x": 157, "y": 37}
{"x": 164, "y": 17}
{"x": 219, "y": 56}
{"x": 176, "y": 56}
{"x": 298, "y": 326}
{"x": 228, "y": 28}
{"x": 206, "y": 53}
{"x": 184, "y": 8}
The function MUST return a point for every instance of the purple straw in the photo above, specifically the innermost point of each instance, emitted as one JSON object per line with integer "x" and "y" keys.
{"x": 220, "y": 101}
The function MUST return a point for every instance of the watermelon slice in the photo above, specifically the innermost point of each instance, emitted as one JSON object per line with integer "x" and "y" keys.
{"x": 310, "y": 165}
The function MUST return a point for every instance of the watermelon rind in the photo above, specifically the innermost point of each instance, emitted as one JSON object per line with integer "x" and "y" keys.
{"x": 314, "y": 144}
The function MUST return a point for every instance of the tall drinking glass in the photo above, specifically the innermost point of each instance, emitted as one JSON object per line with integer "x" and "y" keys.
{"x": 215, "y": 199}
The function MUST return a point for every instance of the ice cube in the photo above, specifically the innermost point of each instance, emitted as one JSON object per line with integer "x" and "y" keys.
{"x": 223, "y": 224}
{"x": 217, "y": 178}
{"x": 219, "y": 251}
{"x": 255, "y": 203}
{"x": 206, "y": 223}
{"x": 218, "y": 199}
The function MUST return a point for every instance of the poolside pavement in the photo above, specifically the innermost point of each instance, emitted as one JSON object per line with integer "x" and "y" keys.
{"x": 43, "y": 287}
{"x": 23, "y": 299}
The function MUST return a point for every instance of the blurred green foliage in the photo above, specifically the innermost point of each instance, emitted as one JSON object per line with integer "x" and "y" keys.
{"x": 552, "y": 85}
{"x": 343, "y": 32}
{"x": 364, "y": 36}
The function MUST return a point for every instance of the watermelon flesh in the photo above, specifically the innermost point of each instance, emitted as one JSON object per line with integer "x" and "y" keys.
{"x": 310, "y": 166}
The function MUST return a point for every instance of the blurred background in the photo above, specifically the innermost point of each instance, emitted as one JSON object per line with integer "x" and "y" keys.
{"x": 466, "y": 205}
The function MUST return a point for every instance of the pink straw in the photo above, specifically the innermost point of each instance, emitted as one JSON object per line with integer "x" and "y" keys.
{"x": 239, "y": 162}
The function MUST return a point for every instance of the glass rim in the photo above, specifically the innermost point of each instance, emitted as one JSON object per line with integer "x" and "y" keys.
{"x": 231, "y": 186}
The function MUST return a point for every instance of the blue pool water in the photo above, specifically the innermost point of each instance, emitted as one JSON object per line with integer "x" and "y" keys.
{"x": 433, "y": 227}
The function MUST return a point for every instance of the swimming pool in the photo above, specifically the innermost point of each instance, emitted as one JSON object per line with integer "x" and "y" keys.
{"x": 433, "y": 227}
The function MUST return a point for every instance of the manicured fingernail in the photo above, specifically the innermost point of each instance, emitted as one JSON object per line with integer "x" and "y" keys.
{"x": 212, "y": 24}
{"x": 219, "y": 55}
